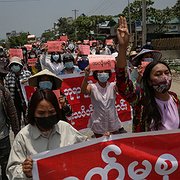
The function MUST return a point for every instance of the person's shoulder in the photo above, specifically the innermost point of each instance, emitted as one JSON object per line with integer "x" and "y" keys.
{"x": 63, "y": 124}
{"x": 111, "y": 84}
{"x": 25, "y": 131}
{"x": 8, "y": 75}
{"x": 93, "y": 85}
{"x": 47, "y": 57}
{"x": 76, "y": 69}
{"x": 172, "y": 93}
{"x": 64, "y": 127}
{"x": 174, "y": 96}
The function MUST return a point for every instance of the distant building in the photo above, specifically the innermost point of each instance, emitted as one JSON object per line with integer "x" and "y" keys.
{"x": 13, "y": 34}
{"x": 108, "y": 27}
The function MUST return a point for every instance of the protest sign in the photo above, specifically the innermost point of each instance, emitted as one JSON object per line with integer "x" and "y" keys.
{"x": 101, "y": 62}
{"x": 84, "y": 49}
{"x": 54, "y": 46}
{"x": 16, "y": 52}
{"x": 129, "y": 156}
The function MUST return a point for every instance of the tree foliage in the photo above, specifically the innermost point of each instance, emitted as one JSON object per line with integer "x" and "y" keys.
{"x": 86, "y": 24}
{"x": 18, "y": 40}
{"x": 153, "y": 16}
{"x": 48, "y": 35}
{"x": 160, "y": 18}
{"x": 65, "y": 25}
{"x": 176, "y": 9}
{"x": 80, "y": 27}
{"x": 136, "y": 10}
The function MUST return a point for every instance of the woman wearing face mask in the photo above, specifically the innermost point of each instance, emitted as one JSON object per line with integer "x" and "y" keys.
{"x": 45, "y": 79}
{"x": 160, "y": 105}
{"x": 104, "y": 119}
{"x": 155, "y": 107}
{"x": 32, "y": 54}
{"x": 44, "y": 132}
{"x": 13, "y": 80}
{"x": 140, "y": 61}
{"x": 52, "y": 62}
{"x": 69, "y": 65}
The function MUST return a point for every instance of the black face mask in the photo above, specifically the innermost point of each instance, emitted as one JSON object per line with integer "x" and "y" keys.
{"x": 46, "y": 123}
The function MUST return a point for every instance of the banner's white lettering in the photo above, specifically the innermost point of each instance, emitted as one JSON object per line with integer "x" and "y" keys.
{"x": 165, "y": 165}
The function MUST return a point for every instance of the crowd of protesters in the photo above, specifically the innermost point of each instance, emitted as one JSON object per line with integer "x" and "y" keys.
{"x": 142, "y": 79}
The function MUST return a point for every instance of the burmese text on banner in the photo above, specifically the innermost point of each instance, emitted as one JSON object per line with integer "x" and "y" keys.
{"x": 154, "y": 155}
{"x": 81, "y": 104}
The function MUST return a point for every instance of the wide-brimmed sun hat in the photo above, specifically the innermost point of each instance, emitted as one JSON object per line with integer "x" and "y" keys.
{"x": 156, "y": 56}
{"x": 15, "y": 60}
{"x": 33, "y": 80}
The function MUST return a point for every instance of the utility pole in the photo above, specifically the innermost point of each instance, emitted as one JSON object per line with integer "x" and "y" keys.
{"x": 144, "y": 30}
{"x": 75, "y": 13}
{"x": 75, "y": 16}
{"x": 129, "y": 14}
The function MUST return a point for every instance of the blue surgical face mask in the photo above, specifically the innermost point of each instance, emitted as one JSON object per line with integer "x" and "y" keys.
{"x": 32, "y": 55}
{"x": 148, "y": 59}
{"x": 45, "y": 85}
{"x": 55, "y": 57}
{"x": 15, "y": 68}
{"x": 69, "y": 65}
{"x": 24, "y": 52}
{"x": 103, "y": 77}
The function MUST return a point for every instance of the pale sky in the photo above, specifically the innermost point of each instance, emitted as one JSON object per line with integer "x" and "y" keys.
{"x": 36, "y": 16}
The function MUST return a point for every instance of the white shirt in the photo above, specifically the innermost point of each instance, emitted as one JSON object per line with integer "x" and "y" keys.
{"x": 54, "y": 67}
{"x": 104, "y": 117}
{"x": 30, "y": 141}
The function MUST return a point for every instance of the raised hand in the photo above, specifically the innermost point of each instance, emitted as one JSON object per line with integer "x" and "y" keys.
{"x": 123, "y": 41}
{"x": 122, "y": 32}
{"x": 87, "y": 71}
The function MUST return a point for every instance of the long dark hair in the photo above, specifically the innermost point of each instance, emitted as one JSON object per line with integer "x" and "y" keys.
{"x": 59, "y": 60}
{"x": 151, "y": 110}
{"x": 36, "y": 98}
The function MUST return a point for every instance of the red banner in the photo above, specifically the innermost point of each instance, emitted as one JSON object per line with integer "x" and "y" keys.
{"x": 81, "y": 104}
{"x": 32, "y": 62}
{"x": 151, "y": 156}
